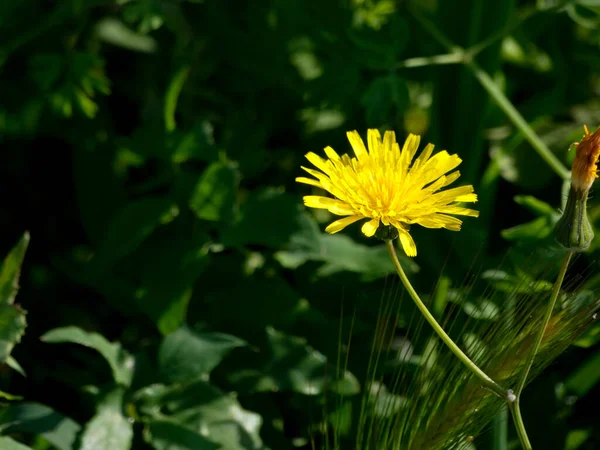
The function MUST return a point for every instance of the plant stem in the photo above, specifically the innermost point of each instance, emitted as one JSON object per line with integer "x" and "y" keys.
{"x": 474, "y": 368}
{"x": 497, "y": 96}
{"x": 515, "y": 407}
{"x": 515, "y": 410}
{"x": 422, "y": 61}
{"x": 536, "y": 345}
{"x": 517, "y": 119}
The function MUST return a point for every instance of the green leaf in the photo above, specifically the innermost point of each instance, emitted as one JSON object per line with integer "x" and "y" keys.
{"x": 10, "y": 271}
{"x": 200, "y": 406}
{"x": 268, "y": 217}
{"x": 214, "y": 195}
{"x": 537, "y": 229}
{"x": 7, "y": 443}
{"x": 116, "y": 33}
{"x": 482, "y": 309}
{"x": 197, "y": 144}
{"x": 536, "y": 206}
{"x": 167, "y": 280}
{"x": 121, "y": 362}
{"x": 10, "y": 397}
{"x": 12, "y": 328}
{"x": 294, "y": 366}
{"x": 129, "y": 227}
{"x": 166, "y": 435}
{"x": 172, "y": 95}
{"x": 108, "y": 429}
{"x": 339, "y": 253}
{"x": 585, "y": 377}
{"x": 186, "y": 355}
{"x": 41, "y": 420}
{"x": 384, "y": 93}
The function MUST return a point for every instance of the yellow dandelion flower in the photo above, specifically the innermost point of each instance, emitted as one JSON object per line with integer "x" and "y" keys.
{"x": 584, "y": 170}
{"x": 384, "y": 185}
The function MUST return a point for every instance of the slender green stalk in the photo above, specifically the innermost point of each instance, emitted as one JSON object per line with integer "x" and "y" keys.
{"x": 474, "y": 368}
{"x": 536, "y": 345}
{"x": 517, "y": 119}
{"x": 422, "y": 61}
{"x": 500, "y": 430}
{"x": 515, "y": 407}
{"x": 515, "y": 410}
{"x": 497, "y": 96}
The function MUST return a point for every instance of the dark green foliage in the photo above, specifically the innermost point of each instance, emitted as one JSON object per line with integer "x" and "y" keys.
{"x": 179, "y": 295}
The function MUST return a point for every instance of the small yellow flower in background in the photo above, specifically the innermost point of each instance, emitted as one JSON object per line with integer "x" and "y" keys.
{"x": 584, "y": 170}
{"x": 384, "y": 185}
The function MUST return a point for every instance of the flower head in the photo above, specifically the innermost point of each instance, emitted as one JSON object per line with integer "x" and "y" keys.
{"x": 584, "y": 170}
{"x": 384, "y": 185}
{"x": 574, "y": 230}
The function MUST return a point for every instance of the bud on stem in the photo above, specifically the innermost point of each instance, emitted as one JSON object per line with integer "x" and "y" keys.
{"x": 573, "y": 230}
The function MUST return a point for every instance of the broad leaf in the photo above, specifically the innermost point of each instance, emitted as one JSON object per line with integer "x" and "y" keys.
{"x": 129, "y": 227}
{"x": 41, "y": 420}
{"x": 293, "y": 366}
{"x": 205, "y": 410}
{"x": 186, "y": 355}
{"x": 167, "y": 280}
{"x": 214, "y": 195}
{"x": 7, "y": 443}
{"x": 167, "y": 435}
{"x": 121, "y": 362}
{"x": 108, "y": 429}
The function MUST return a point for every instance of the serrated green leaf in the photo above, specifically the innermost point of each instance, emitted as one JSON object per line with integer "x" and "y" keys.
{"x": 42, "y": 420}
{"x": 108, "y": 429}
{"x": 214, "y": 195}
{"x": 10, "y": 271}
{"x": 12, "y": 328}
{"x": 186, "y": 355}
{"x": 120, "y": 361}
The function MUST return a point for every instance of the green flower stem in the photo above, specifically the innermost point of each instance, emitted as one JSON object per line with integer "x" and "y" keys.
{"x": 515, "y": 411}
{"x": 485, "y": 379}
{"x": 497, "y": 96}
{"x": 515, "y": 406}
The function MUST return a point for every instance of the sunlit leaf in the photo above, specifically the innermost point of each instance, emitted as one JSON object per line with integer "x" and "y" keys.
{"x": 121, "y": 362}
{"x": 39, "y": 419}
{"x": 186, "y": 355}
{"x": 108, "y": 429}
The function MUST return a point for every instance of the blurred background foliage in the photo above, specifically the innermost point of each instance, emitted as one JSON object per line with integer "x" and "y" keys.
{"x": 177, "y": 294}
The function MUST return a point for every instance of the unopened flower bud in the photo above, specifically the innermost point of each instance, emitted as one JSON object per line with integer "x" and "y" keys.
{"x": 573, "y": 230}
